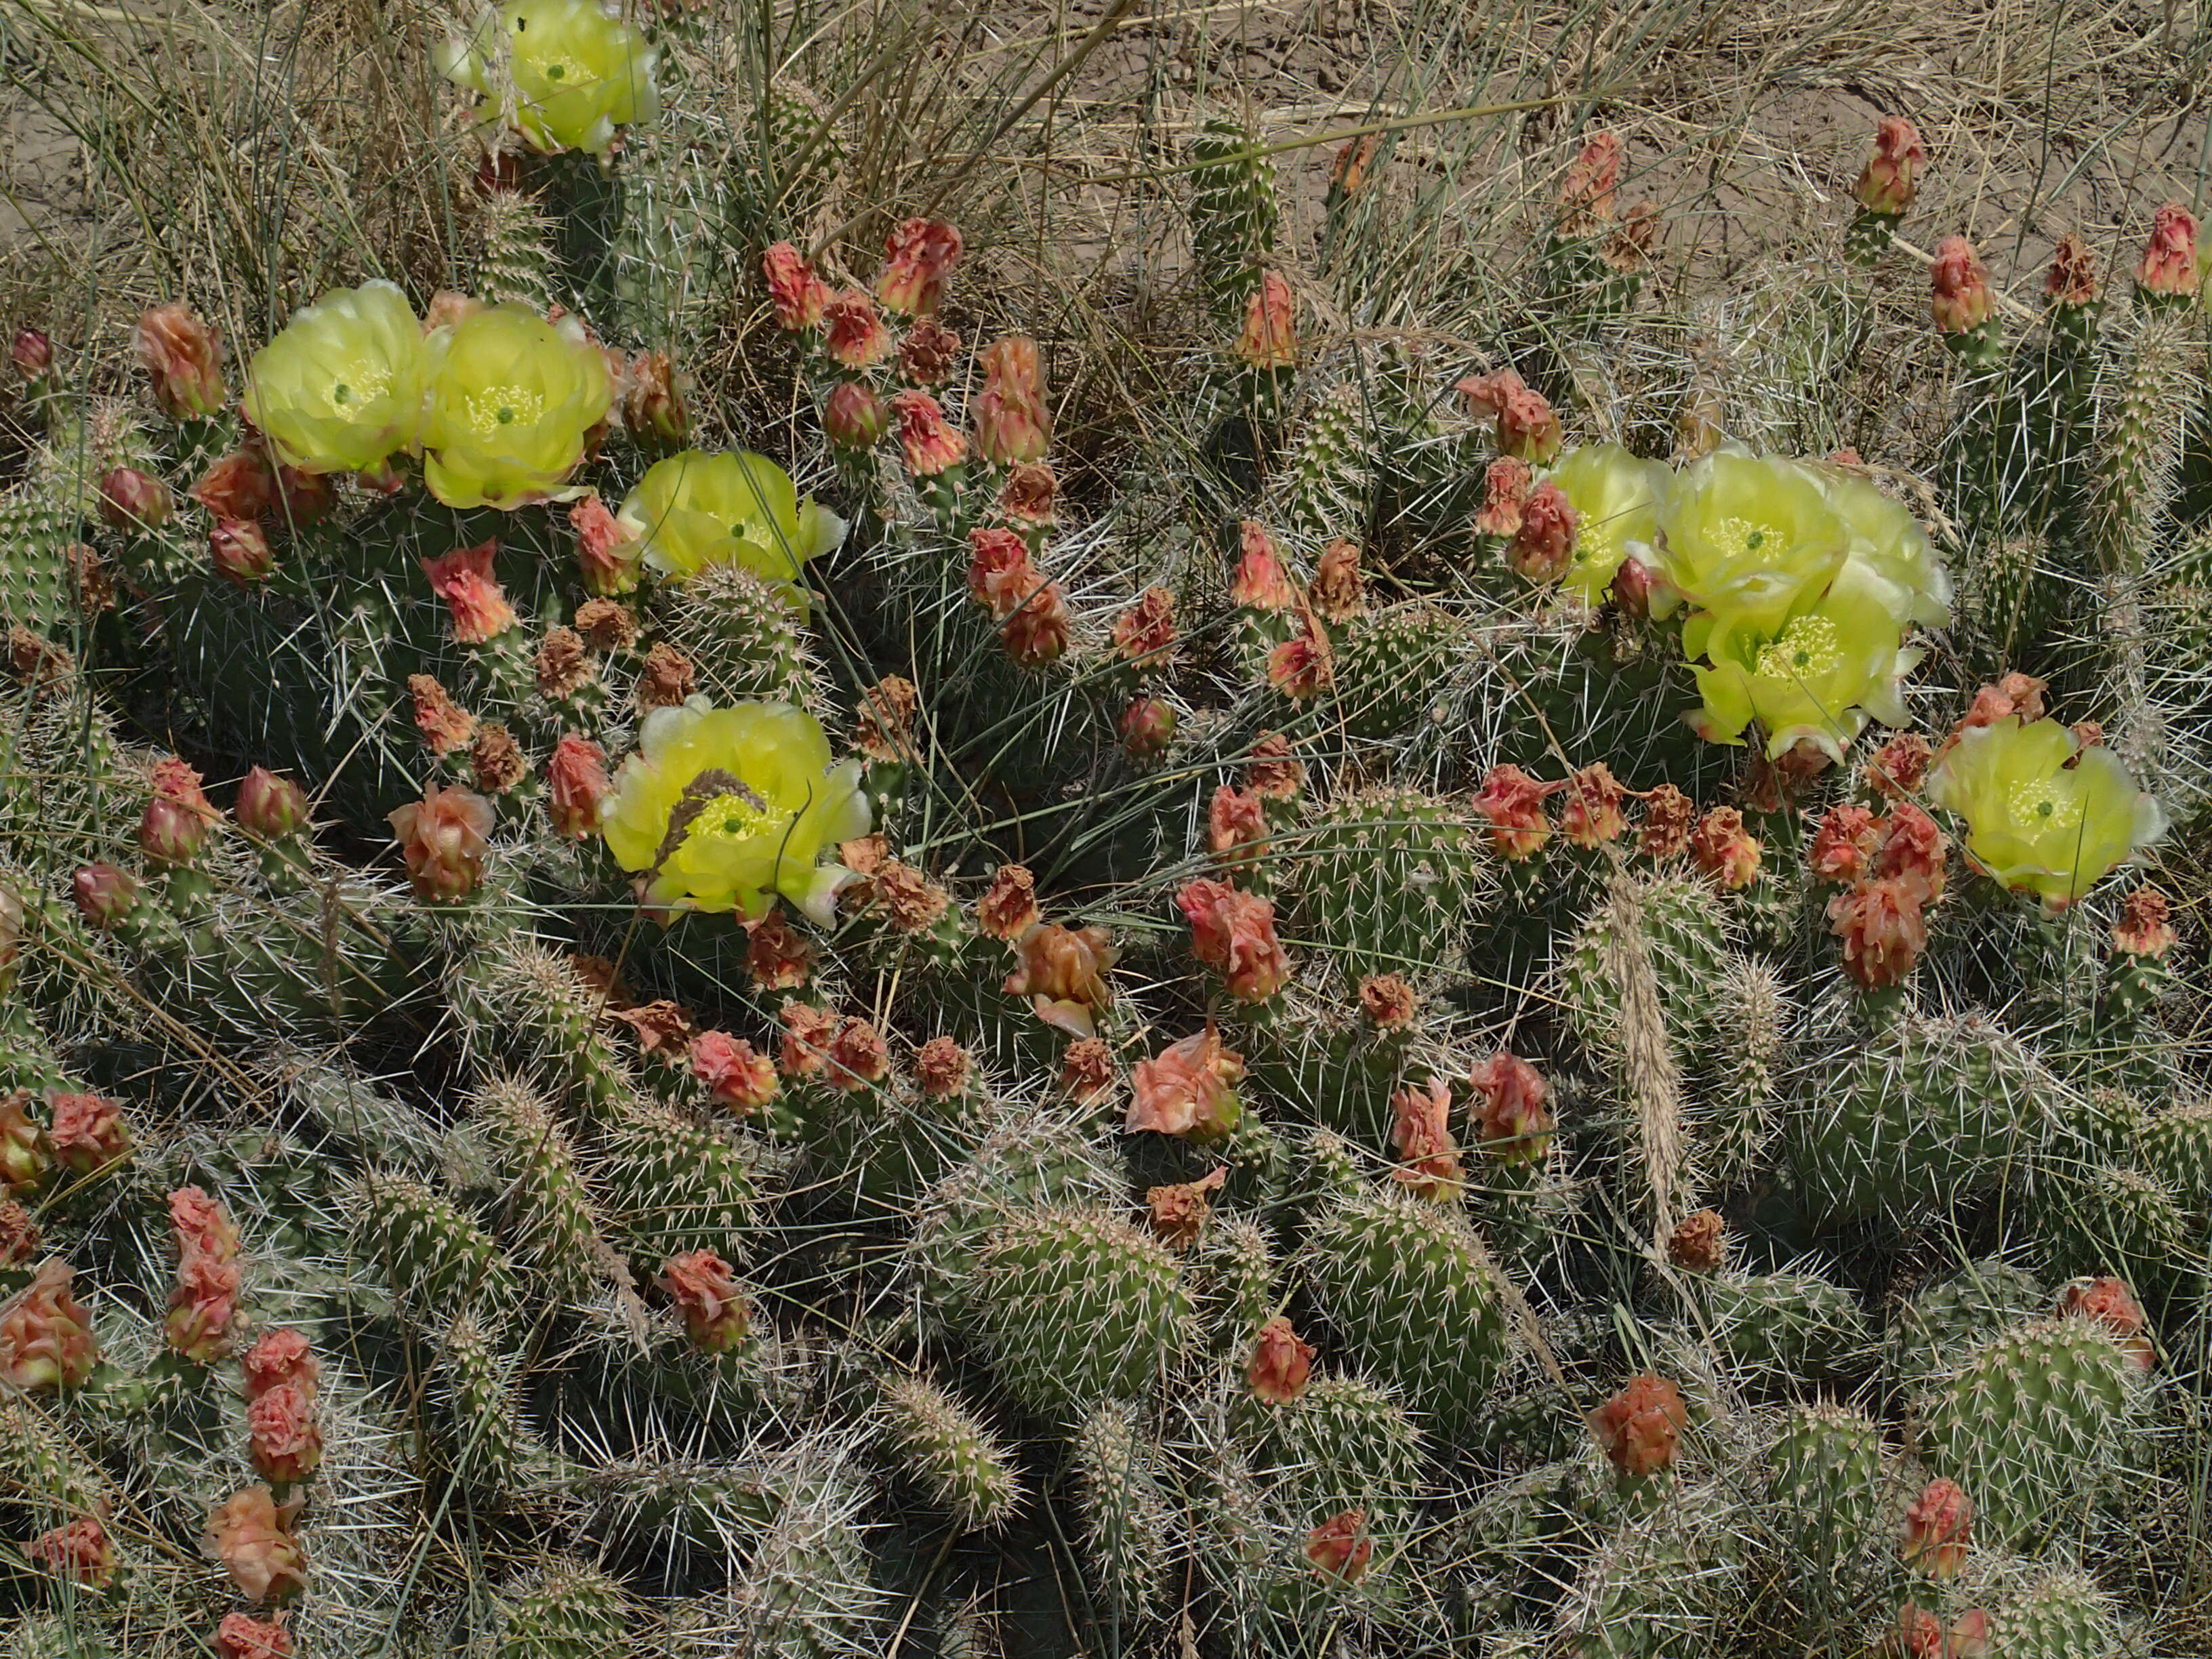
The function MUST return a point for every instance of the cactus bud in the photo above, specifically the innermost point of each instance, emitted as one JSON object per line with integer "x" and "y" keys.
{"x": 1428, "y": 1157}
{"x": 1516, "y": 1124}
{"x": 1234, "y": 933}
{"x": 2071, "y": 282}
{"x": 1146, "y": 632}
{"x": 1259, "y": 583}
{"x": 1960, "y": 287}
{"x": 1148, "y": 727}
{"x": 1186, "y": 1089}
{"x": 738, "y": 1078}
{"x": 250, "y": 1535}
{"x": 286, "y": 1444}
{"x": 1593, "y": 816}
{"x": 1724, "y": 850}
{"x": 1514, "y": 803}
{"x": 23, "y": 1156}
{"x": 926, "y": 353}
{"x": 1235, "y": 826}
{"x": 2168, "y": 269}
{"x": 609, "y": 558}
{"x": 131, "y": 500}
{"x": 853, "y": 330}
{"x": 1279, "y": 1365}
{"x": 104, "y": 894}
{"x": 854, "y": 417}
{"x": 1340, "y": 1549}
{"x": 1063, "y": 971}
{"x": 793, "y": 290}
{"x": 46, "y": 1338}
{"x": 705, "y": 1291}
{"x": 1632, "y": 588}
{"x": 444, "y": 838}
{"x": 1544, "y": 546}
{"x": 81, "y": 1551}
{"x": 1890, "y": 178}
{"x": 1269, "y": 338}
{"x": 464, "y": 578}
{"x": 240, "y": 552}
{"x": 2143, "y": 929}
{"x": 1011, "y": 422}
{"x": 86, "y": 1132}
{"x": 1640, "y": 1428}
{"x": 1938, "y": 1528}
{"x": 577, "y": 787}
{"x": 241, "y": 1636}
{"x": 1698, "y": 1243}
{"x": 947, "y": 1069}
{"x": 271, "y": 808}
{"x": 926, "y": 444}
{"x": 1179, "y": 1211}
{"x": 241, "y": 485}
{"x": 33, "y": 354}
{"x": 184, "y": 358}
{"x": 919, "y": 255}
{"x": 205, "y": 1298}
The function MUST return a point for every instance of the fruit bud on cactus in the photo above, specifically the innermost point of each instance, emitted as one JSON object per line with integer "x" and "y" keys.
{"x": 919, "y": 255}
{"x": 1641, "y": 1427}
{"x": 285, "y": 1441}
{"x": 1960, "y": 286}
{"x": 2044, "y": 815}
{"x": 1514, "y": 803}
{"x": 2071, "y": 282}
{"x": 464, "y": 578}
{"x": 24, "y": 1158}
{"x": 130, "y": 500}
{"x": 854, "y": 417}
{"x": 946, "y": 1070}
{"x": 926, "y": 353}
{"x": 1148, "y": 727}
{"x": 340, "y": 389}
{"x": 577, "y": 786}
{"x": 205, "y": 1298}
{"x": 705, "y": 1289}
{"x": 1259, "y": 583}
{"x": 1890, "y": 178}
{"x": 734, "y": 1075}
{"x": 170, "y": 835}
{"x": 250, "y": 1535}
{"x": 1234, "y": 934}
{"x": 241, "y": 1636}
{"x": 271, "y": 808}
{"x": 1280, "y": 1363}
{"x": 184, "y": 359}
{"x": 1698, "y": 1243}
{"x": 2168, "y": 269}
{"x": 280, "y": 1358}
{"x": 1187, "y": 1089}
{"x": 1632, "y": 588}
{"x": 1063, "y": 971}
{"x": 652, "y": 403}
{"x": 1179, "y": 1211}
{"x": 1725, "y": 850}
{"x": 1008, "y": 908}
{"x": 1586, "y": 193}
{"x": 2143, "y": 929}
{"x": 85, "y": 1132}
{"x": 1428, "y": 1157}
{"x": 1592, "y": 815}
{"x": 33, "y": 354}
{"x": 2108, "y": 1301}
{"x": 607, "y": 554}
{"x": 1938, "y": 1530}
{"x": 1340, "y": 1549}
{"x": 104, "y": 894}
{"x": 1505, "y": 492}
{"x": 1011, "y": 422}
{"x": 81, "y": 1551}
{"x": 793, "y": 290}
{"x": 443, "y": 838}
{"x": 1269, "y": 338}
{"x": 926, "y": 444}
{"x": 1510, "y": 1111}
{"x": 1526, "y": 427}
{"x": 46, "y": 1338}
{"x": 852, "y": 331}
{"x": 239, "y": 551}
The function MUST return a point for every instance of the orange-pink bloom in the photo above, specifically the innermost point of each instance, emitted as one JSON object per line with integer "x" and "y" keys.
{"x": 853, "y": 330}
{"x": 919, "y": 254}
{"x": 1235, "y": 826}
{"x": 250, "y": 1535}
{"x": 928, "y": 445}
{"x": 1505, "y": 492}
{"x": 80, "y": 1550}
{"x": 444, "y": 838}
{"x": 609, "y": 558}
{"x": 1269, "y": 338}
{"x": 1008, "y": 907}
{"x": 1280, "y": 1363}
{"x": 1938, "y": 1529}
{"x": 85, "y": 1132}
{"x": 1641, "y": 1427}
{"x": 1724, "y": 849}
{"x": 280, "y": 1358}
{"x": 286, "y": 1444}
{"x": 1891, "y": 176}
{"x": 1187, "y": 1089}
{"x": 1011, "y": 422}
{"x": 1510, "y": 1109}
{"x": 1592, "y": 815}
{"x": 793, "y": 290}
{"x": 2168, "y": 267}
{"x": 464, "y": 580}
{"x": 1001, "y": 574}
{"x": 704, "y": 1288}
{"x": 1340, "y": 1549}
{"x": 1063, "y": 971}
{"x": 241, "y": 1636}
{"x": 184, "y": 358}
{"x": 1259, "y": 583}
{"x": 734, "y": 1075}
{"x": 1514, "y": 803}
{"x": 1234, "y": 933}
{"x": 1428, "y": 1157}
{"x": 2108, "y": 1301}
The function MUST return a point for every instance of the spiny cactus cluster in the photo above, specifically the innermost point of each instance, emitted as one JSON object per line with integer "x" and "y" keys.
{"x": 1489, "y": 1047}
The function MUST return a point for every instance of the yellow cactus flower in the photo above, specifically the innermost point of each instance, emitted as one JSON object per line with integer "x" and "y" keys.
{"x": 2044, "y": 815}
{"x": 512, "y": 399}
{"x": 562, "y": 73}
{"x": 694, "y": 510}
{"x": 1617, "y": 497}
{"x": 1816, "y": 681}
{"x": 341, "y": 388}
{"x": 1888, "y": 542}
{"x": 1747, "y": 543}
{"x": 726, "y": 809}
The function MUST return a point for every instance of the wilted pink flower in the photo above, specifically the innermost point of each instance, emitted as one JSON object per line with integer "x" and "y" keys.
{"x": 858, "y": 1056}
{"x": 239, "y": 551}
{"x": 1724, "y": 849}
{"x": 18, "y": 1234}
{"x": 2108, "y": 1301}
{"x": 1179, "y": 1211}
{"x": 1235, "y": 826}
{"x": 793, "y": 290}
{"x": 1387, "y": 1003}
{"x": 1891, "y": 176}
{"x": 1338, "y": 591}
{"x": 1086, "y": 1070}
{"x": 1938, "y": 1530}
{"x": 926, "y": 353}
{"x": 854, "y": 417}
{"x": 919, "y": 255}
{"x": 241, "y": 1636}
{"x": 1186, "y": 1089}
{"x": 280, "y": 1358}
{"x": 704, "y": 1288}
{"x": 1063, "y": 971}
{"x": 853, "y": 330}
{"x": 1428, "y": 1157}
{"x": 652, "y": 403}
{"x": 1036, "y": 635}
{"x": 1008, "y": 907}
{"x": 2168, "y": 267}
{"x": 1514, "y": 803}
{"x": 737, "y": 1077}
{"x": 46, "y": 1338}
{"x": 252, "y": 1535}
{"x": 80, "y": 1550}
{"x": 1146, "y": 632}
{"x": 1234, "y": 933}
{"x": 131, "y": 500}
{"x": 201, "y": 1225}
{"x": 201, "y": 1305}
{"x": 945, "y": 1068}
{"x": 1592, "y": 815}
{"x": 805, "y": 1048}
{"x": 2071, "y": 281}
{"x": 1842, "y": 847}
{"x": 1510, "y": 1111}
{"x": 1279, "y": 1365}
{"x": 609, "y": 558}
{"x": 1544, "y": 546}
{"x": 184, "y": 359}
{"x": 1259, "y": 583}
{"x": 444, "y": 838}
{"x": 1269, "y": 338}
{"x": 1960, "y": 286}
{"x": 286, "y": 1443}
{"x": 444, "y": 724}
{"x": 576, "y": 784}
{"x": 928, "y": 445}
{"x": 1641, "y": 1426}
{"x": 86, "y": 1132}
{"x": 1270, "y": 770}
{"x": 1001, "y": 574}
{"x": 1527, "y": 426}
{"x": 1340, "y": 1549}
{"x": 1301, "y": 665}
{"x": 1700, "y": 1242}
{"x": 1586, "y": 194}
{"x": 2143, "y": 929}
{"x": 1913, "y": 851}
{"x": 464, "y": 578}
{"x": 1148, "y": 727}
{"x": 1505, "y": 491}
{"x": 1027, "y": 497}
{"x": 1899, "y": 767}
{"x": 241, "y": 485}
{"x": 1011, "y": 422}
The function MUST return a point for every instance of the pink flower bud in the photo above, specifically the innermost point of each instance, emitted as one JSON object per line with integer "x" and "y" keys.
{"x": 104, "y": 894}
{"x": 1960, "y": 287}
{"x": 464, "y": 578}
{"x": 81, "y": 1551}
{"x": 1148, "y": 726}
{"x": 2168, "y": 267}
{"x": 1514, "y": 803}
{"x": 1259, "y": 583}
{"x": 1641, "y": 1426}
{"x": 24, "y": 1158}
{"x": 169, "y": 834}
{"x": 1269, "y": 338}
{"x": 705, "y": 1289}
{"x": 1510, "y": 1109}
{"x": 271, "y": 808}
{"x": 1937, "y": 1529}
{"x": 577, "y": 786}
{"x": 854, "y": 417}
{"x": 86, "y": 1132}
{"x": 1632, "y": 588}
{"x": 737, "y": 1077}
{"x": 1527, "y": 426}
{"x": 444, "y": 838}
{"x": 241, "y": 485}
{"x": 184, "y": 358}
{"x": 1011, "y": 422}
{"x": 240, "y": 552}
{"x": 252, "y": 1536}
{"x": 928, "y": 445}
{"x": 1280, "y": 1363}
{"x": 32, "y": 353}
{"x": 285, "y": 1441}
{"x": 1891, "y": 176}
{"x": 796, "y": 292}
{"x": 1544, "y": 546}
{"x": 46, "y": 1339}
{"x": 131, "y": 500}
{"x": 921, "y": 254}
{"x": 1340, "y": 1549}
{"x": 281, "y": 1358}
{"x": 1428, "y": 1157}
